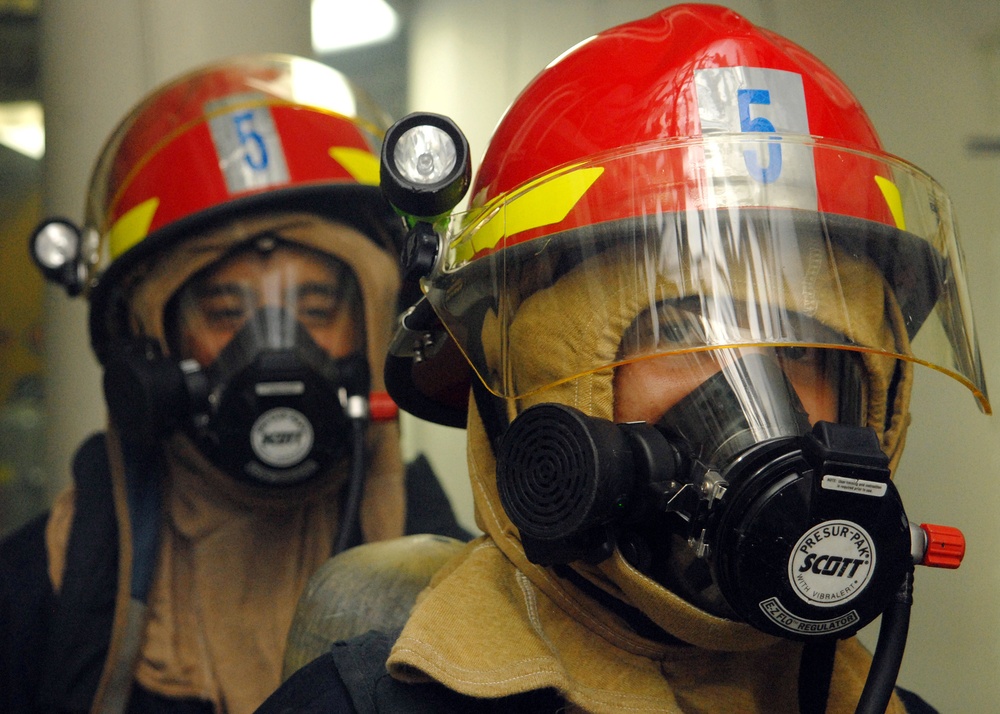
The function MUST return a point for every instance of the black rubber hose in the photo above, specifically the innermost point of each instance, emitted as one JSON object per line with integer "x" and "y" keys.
{"x": 355, "y": 486}
{"x": 888, "y": 652}
{"x": 815, "y": 673}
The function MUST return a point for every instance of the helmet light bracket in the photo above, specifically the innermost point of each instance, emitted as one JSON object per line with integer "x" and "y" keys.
{"x": 419, "y": 335}
{"x": 421, "y": 252}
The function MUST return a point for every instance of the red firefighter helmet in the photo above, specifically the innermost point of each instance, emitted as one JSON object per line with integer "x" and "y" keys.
{"x": 719, "y": 162}
{"x": 250, "y": 133}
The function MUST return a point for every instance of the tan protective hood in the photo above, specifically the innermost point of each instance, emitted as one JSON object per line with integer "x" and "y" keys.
{"x": 494, "y": 624}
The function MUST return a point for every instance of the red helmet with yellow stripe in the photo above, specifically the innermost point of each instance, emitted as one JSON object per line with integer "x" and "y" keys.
{"x": 706, "y": 159}
{"x": 687, "y": 72}
{"x": 247, "y": 134}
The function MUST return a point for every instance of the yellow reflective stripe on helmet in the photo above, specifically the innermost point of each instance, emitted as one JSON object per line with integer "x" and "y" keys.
{"x": 891, "y": 193}
{"x": 540, "y": 203}
{"x": 132, "y": 227}
{"x": 360, "y": 164}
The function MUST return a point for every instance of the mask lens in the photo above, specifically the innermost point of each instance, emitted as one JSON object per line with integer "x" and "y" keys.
{"x": 826, "y": 381}
{"x": 309, "y": 289}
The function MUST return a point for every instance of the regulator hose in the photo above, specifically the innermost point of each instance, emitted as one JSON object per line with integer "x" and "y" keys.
{"x": 889, "y": 651}
{"x": 355, "y": 486}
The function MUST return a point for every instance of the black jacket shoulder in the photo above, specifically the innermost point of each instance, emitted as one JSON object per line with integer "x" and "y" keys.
{"x": 427, "y": 507}
{"x": 26, "y": 606}
{"x": 351, "y": 678}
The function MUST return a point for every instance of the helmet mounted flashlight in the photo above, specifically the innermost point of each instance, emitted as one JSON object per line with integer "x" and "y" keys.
{"x": 426, "y": 168}
{"x": 57, "y": 248}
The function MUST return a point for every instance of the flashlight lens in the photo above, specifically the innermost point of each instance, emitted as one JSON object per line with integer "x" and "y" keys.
{"x": 425, "y": 155}
{"x": 56, "y": 244}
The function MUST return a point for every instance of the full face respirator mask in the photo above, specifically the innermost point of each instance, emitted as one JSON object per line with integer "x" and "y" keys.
{"x": 273, "y": 409}
{"x": 257, "y": 393}
{"x": 799, "y": 527}
{"x": 276, "y": 407}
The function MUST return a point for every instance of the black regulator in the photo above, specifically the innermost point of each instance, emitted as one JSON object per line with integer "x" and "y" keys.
{"x": 801, "y": 528}
{"x": 804, "y": 535}
{"x": 273, "y": 408}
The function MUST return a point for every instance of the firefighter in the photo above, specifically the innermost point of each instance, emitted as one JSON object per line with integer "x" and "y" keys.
{"x": 689, "y": 295}
{"x": 241, "y": 269}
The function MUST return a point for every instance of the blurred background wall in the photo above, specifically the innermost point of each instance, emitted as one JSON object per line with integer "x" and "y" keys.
{"x": 927, "y": 72}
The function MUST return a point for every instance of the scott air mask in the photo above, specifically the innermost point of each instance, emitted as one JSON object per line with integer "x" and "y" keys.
{"x": 270, "y": 374}
{"x": 798, "y": 527}
{"x": 277, "y": 406}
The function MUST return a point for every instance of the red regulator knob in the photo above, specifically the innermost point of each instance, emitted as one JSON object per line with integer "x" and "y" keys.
{"x": 943, "y": 546}
{"x": 382, "y": 407}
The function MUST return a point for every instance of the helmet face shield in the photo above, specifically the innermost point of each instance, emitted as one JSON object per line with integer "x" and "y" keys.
{"x": 724, "y": 241}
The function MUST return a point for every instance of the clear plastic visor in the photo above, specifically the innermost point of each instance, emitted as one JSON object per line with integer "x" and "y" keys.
{"x": 680, "y": 248}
